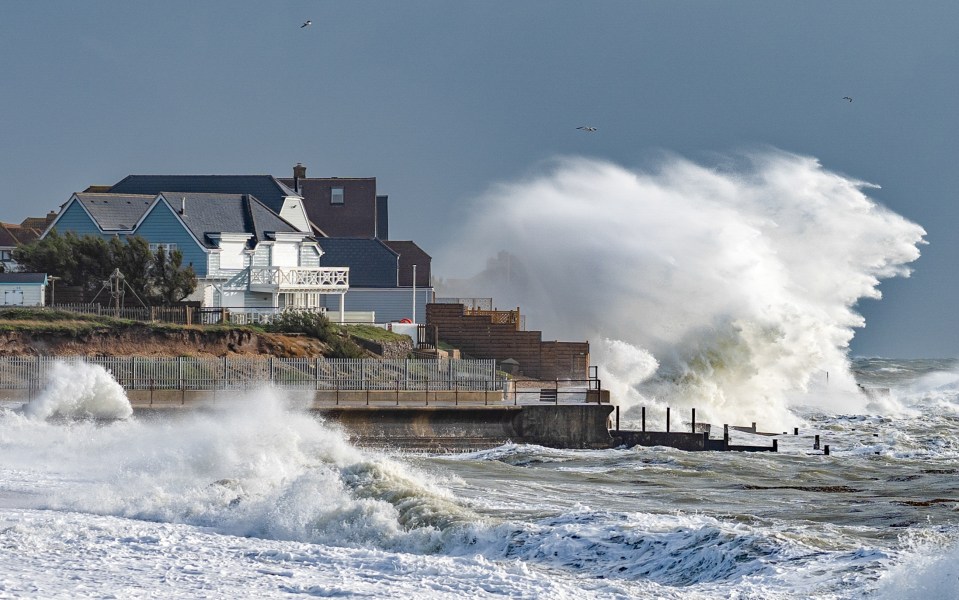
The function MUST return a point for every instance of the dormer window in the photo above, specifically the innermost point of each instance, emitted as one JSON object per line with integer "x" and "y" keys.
{"x": 336, "y": 196}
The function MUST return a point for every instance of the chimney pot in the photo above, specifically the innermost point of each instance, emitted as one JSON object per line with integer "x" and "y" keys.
{"x": 299, "y": 171}
{"x": 182, "y": 205}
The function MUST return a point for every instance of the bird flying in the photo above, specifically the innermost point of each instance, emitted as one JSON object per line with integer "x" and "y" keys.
{"x": 587, "y": 129}
{"x": 847, "y": 98}
{"x": 306, "y": 24}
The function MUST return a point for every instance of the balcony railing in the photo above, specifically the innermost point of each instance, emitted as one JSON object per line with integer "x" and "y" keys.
{"x": 318, "y": 279}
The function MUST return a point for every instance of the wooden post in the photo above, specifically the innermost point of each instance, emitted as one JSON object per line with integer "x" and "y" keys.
{"x": 694, "y": 421}
{"x": 667, "y": 419}
{"x": 795, "y": 431}
{"x": 825, "y": 450}
{"x": 815, "y": 444}
{"x": 775, "y": 445}
{"x": 644, "y": 418}
{"x": 725, "y": 436}
{"x": 617, "y": 417}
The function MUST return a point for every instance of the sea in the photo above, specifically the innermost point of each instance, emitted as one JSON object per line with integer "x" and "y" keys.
{"x": 258, "y": 499}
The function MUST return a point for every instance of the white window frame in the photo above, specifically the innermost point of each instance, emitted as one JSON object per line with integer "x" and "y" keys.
{"x": 170, "y": 248}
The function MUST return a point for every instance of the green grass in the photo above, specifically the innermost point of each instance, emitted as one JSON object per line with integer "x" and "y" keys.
{"x": 374, "y": 334}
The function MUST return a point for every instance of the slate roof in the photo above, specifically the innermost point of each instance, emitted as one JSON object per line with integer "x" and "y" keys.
{"x": 23, "y": 278}
{"x": 411, "y": 254}
{"x": 371, "y": 262}
{"x": 115, "y": 212}
{"x": 265, "y": 188}
{"x": 227, "y": 213}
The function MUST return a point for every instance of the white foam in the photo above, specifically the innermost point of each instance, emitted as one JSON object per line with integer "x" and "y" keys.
{"x": 79, "y": 390}
{"x": 741, "y": 281}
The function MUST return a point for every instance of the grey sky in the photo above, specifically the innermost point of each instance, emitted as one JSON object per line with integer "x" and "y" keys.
{"x": 440, "y": 99}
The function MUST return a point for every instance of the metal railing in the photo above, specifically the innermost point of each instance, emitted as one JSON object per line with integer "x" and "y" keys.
{"x": 468, "y": 303}
{"x": 557, "y": 391}
{"x": 228, "y": 373}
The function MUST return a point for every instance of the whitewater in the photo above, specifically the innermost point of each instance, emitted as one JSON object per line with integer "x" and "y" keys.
{"x": 732, "y": 288}
{"x": 257, "y": 499}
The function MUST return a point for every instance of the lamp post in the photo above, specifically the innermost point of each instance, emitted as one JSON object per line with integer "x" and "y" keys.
{"x": 53, "y": 290}
{"x": 414, "y": 293}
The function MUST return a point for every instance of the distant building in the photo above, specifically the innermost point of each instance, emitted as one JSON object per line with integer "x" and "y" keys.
{"x": 12, "y": 236}
{"x": 23, "y": 289}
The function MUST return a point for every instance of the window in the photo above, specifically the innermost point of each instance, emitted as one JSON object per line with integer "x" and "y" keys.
{"x": 336, "y": 195}
{"x": 6, "y": 255}
{"x": 169, "y": 248}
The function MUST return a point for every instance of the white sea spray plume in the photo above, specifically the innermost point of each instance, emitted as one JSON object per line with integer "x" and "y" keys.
{"x": 741, "y": 280}
{"x": 79, "y": 390}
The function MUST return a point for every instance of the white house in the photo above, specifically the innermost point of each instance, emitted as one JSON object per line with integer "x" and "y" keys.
{"x": 244, "y": 254}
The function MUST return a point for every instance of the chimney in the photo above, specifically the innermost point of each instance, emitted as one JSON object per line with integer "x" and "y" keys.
{"x": 182, "y": 205}
{"x": 299, "y": 172}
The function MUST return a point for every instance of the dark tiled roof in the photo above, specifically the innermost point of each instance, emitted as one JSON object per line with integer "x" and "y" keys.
{"x": 115, "y": 212}
{"x": 265, "y": 188}
{"x": 226, "y": 213}
{"x": 40, "y": 223}
{"x": 6, "y": 238}
{"x": 402, "y": 247}
{"x": 411, "y": 254}
{"x": 23, "y": 235}
{"x": 23, "y": 277}
{"x": 371, "y": 262}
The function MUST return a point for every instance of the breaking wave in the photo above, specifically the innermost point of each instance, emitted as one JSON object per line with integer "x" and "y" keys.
{"x": 729, "y": 289}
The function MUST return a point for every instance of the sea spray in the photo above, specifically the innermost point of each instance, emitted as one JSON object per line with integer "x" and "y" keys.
{"x": 740, "y": 280}
{"x": 79, "y": 390}
{"x": 251, "y": 467}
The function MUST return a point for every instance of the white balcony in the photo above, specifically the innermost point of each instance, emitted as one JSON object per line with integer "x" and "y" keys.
{"x": 323, "y": 280}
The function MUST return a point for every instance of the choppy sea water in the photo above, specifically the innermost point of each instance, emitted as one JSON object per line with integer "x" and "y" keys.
{"x": 259, "y": 500}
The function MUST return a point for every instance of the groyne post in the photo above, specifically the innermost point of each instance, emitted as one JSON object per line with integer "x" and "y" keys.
{"x": 644, "y": 418}
{"x": 617, "y": 417}
{"x": 775, "y": 445}
{"x": 815, "y": 444}
{"x": 667, "y": 419}
{"x": 693, "y": 426}
{"x": 725, "y": 436}
{"x": 795, "y": 431}
{"x": 825, "y": 450}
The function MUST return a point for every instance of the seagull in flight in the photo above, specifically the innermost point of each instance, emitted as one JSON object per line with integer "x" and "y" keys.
{"x": 307, "y": 24}
{"x": 587, "y": 129}
{"x": 847, "y": 98}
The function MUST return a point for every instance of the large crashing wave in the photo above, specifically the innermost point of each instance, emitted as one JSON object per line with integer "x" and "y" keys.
{"x": 736, "y": 286}
{"x": 79, "y": 390}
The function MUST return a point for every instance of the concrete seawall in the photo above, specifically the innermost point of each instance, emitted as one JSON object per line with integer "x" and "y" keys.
{"x": 449, "y": 428}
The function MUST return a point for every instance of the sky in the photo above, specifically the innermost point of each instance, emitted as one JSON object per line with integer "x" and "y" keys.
{"x": 441, "y": 100}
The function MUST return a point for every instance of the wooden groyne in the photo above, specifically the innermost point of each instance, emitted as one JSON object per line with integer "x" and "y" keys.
{"x": 696, "y": 440}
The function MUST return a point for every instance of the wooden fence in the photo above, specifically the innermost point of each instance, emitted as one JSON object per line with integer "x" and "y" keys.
{"x": 30, "y": 373}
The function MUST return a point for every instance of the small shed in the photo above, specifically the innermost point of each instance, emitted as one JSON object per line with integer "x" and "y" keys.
{"x": 510, "y": 366}
{"x": 23, "y": 289}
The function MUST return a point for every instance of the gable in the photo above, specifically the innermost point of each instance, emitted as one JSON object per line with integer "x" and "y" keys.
{"x": 74, "y": 218}
{"x": 161, "y": 226}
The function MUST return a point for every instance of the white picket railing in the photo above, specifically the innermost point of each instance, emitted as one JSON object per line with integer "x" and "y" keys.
{"x": 322, "y": 279}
